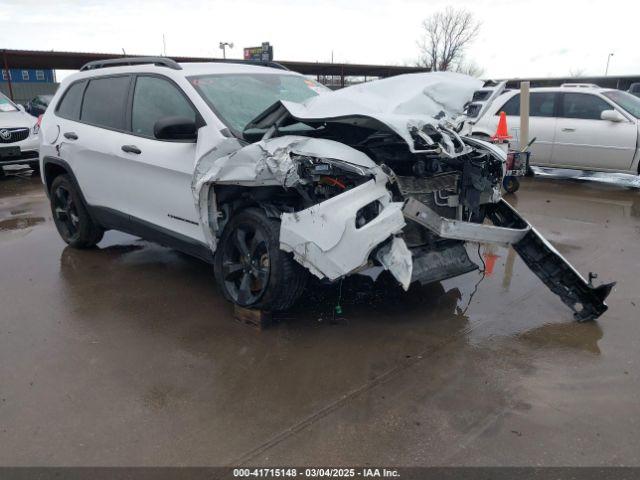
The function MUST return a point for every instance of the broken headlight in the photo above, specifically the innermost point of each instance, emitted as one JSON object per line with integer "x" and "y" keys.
{"x": 327, "y": 166}
{"x": 327, "y": 177}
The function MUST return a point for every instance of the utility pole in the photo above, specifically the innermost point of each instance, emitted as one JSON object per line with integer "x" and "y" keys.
{"x": 223, "y": 47}
{"x": 8, "y": 73}
{"x": 606, "y": 71}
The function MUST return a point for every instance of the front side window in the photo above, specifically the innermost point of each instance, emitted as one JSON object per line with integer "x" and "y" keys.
{"x": 583, "y": 106}
{"x": 69, "y": 106}
{"x": 628, "y": 102}
{"x": 155, "y": 98}
{"x": 541, "y": 104}
{"x": 239, "y": 98}
{"x": 104, "y": 102}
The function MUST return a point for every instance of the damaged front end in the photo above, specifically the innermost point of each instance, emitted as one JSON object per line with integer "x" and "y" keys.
{"x": 403, "y": 193}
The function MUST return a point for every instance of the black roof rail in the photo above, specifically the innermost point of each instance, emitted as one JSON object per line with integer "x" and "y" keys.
{"x": 258, "y": 63}
{"x": 119, "y": 62}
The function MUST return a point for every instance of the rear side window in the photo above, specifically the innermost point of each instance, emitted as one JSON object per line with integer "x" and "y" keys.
{"x": 69, "y": 106}
{"x": 104, "y": 102}
{"x": 155, "y": 98}
{"x": 583, "y": 105}
{"x": 541, "y": 104}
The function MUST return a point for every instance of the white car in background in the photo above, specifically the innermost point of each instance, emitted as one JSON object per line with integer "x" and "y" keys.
{"x": 18, "y": 135}
{"x": 579, "y": 126}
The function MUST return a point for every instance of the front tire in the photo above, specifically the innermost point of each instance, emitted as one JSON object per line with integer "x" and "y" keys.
{"x": 250, "y": 268}
{"x": 74, "y": 224}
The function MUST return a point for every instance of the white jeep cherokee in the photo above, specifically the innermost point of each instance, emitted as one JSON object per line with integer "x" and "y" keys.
{"x": 269, "y": 176}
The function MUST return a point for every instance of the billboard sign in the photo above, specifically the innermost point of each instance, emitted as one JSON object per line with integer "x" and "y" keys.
{"x": 263, "y": 53}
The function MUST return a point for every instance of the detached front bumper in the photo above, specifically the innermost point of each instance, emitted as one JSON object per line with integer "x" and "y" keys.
{"x": 586, "y": 301}
{"x": 325, "y": 238}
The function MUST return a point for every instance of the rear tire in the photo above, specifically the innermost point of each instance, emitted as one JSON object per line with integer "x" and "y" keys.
{"x": 250, "y": 268}
{"x": 74, "y": 224}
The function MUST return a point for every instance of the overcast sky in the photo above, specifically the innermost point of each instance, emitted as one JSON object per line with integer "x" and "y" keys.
{"x": 517, "y": 38}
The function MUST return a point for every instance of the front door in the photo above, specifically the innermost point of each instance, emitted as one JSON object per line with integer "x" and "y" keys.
{"x": 585, "y": 141}
{"x": 159, "y": 172}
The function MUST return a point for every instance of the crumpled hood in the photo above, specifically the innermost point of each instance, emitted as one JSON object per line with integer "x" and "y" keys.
{"x": 16, "y": 120}
{"x": 396, "y": 103}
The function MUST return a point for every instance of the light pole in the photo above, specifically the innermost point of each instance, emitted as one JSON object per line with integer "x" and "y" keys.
{"x": 606, "y": 71}
{"x": 223, "y": 46}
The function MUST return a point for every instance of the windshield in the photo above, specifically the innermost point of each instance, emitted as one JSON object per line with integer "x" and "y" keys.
{"x": 7, "y": 105}
{"x": 239, "y": 98}
{"x": 627, "y": 101}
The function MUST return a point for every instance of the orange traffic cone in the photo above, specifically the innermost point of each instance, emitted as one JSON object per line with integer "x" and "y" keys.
{"x": 489, "y": 262}
{"x": 501, "y": 133}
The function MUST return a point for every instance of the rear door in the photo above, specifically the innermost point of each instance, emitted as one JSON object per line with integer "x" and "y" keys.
{"x": 157, "y": 186}
{"x": 542, "y": 122}
{"x": 585, "y": 141}
{"x": 91, "y": 144}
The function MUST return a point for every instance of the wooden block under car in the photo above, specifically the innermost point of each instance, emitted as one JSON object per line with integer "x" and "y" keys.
{"x": 258, "y": 319}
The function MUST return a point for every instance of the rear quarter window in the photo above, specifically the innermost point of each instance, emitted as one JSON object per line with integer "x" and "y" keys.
{"x": 69, "y": 105}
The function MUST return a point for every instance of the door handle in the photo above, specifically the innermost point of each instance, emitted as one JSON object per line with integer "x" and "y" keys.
{"x": 70, "y": 136}
{"x": 131, "y": 149}
{"x": 568, "y": 129}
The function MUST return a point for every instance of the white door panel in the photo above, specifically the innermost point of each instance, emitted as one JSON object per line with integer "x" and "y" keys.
{"x": 543, "y": 129}
{"x": 594, "y": 144}
{"x": 91, "y": 156}
{"x": 157, "y": 188}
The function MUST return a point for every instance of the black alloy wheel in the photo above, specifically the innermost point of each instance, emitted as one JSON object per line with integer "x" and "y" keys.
{"x": 65, "y": 212}
{"x": 246, "y": 264}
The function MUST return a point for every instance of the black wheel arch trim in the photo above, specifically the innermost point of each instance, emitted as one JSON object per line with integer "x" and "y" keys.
{"x": 64, "y": 165}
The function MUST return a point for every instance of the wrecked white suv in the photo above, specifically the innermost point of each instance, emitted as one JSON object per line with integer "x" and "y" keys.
{"x": 272, "y": 177}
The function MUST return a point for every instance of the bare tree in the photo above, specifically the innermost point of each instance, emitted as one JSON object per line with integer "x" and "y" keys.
{"x": 446, "y": 36}
{"x": 576, "y": 72}
{"x": 470, "y": 68}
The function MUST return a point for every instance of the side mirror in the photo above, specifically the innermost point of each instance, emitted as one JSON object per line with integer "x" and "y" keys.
{"x": 612, "y": 116}
{"x": 175, "y": 128}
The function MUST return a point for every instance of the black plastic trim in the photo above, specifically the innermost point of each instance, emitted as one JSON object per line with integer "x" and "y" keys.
{"x": 109, "y": 218}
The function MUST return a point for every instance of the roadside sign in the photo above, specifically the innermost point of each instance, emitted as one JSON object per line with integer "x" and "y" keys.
{"x": 264, "y": 53}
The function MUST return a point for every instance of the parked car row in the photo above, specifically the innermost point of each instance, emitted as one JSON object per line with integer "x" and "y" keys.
{"x": 579, "y": 126}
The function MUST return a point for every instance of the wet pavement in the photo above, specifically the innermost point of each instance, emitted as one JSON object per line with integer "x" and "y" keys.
{"x": 127, "y": 354}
